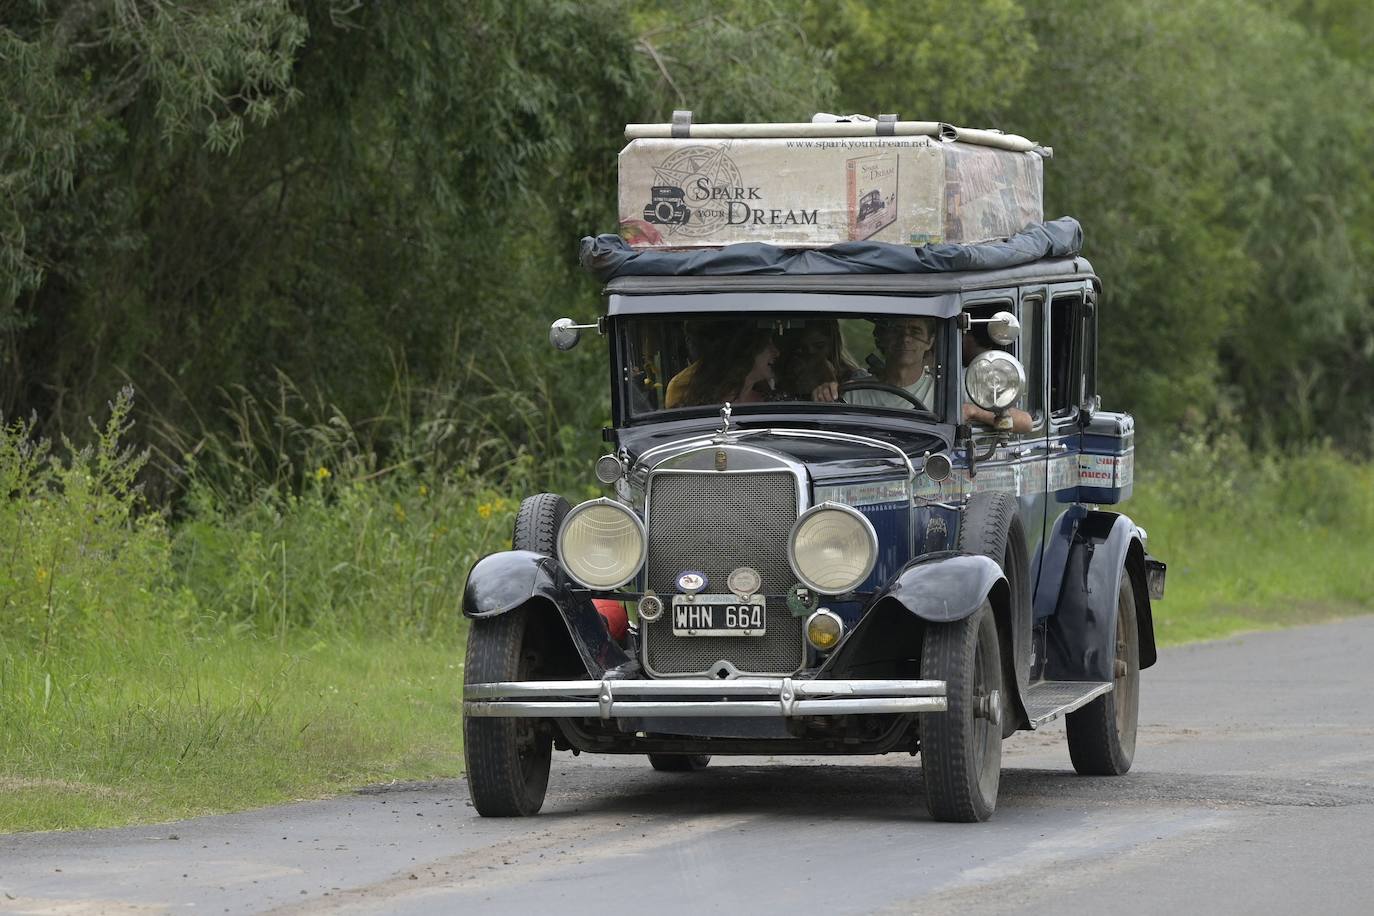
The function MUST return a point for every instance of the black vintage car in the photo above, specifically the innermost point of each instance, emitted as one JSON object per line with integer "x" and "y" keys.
{"x": 871, "y": 203}
{"x": 854, "y": 508}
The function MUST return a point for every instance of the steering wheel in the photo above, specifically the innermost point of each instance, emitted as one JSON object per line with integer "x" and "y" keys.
{"x": 882, "y": 386}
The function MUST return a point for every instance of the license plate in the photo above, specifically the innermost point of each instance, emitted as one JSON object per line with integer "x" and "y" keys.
{"x": 719, "y": 615}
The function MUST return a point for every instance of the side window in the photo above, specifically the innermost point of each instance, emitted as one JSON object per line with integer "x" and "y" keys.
{"x": 1065, "y": 356}
{"x": 1033, "y": 358}
{"x": 1090, "y": 347}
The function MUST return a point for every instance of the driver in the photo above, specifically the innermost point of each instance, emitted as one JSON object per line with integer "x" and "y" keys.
{"x": 904, "y": 344}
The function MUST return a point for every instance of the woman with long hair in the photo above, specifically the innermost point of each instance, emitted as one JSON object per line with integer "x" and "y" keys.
{"x": 736, "y": 366}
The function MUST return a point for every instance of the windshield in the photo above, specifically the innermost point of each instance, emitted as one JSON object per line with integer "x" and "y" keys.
{"x": 884, "y": 362}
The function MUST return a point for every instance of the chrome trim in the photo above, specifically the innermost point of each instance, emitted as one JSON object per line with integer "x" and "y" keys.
{"x": 643, "y": 542}
{"x": 705, "y": 686}
{"x": 792, "y": 548}
{"x": 745, "y": 697}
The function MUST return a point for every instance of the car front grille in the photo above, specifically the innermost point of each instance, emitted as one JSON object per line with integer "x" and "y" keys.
{"x": 714, "y": 523}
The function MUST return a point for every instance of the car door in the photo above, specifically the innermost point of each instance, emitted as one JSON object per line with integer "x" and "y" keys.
{"x": 1066, "y": 364}
{"x": 1017, "y": 464}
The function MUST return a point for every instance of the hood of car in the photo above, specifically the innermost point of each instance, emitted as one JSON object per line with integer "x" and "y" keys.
{"x": 826, "y": 457}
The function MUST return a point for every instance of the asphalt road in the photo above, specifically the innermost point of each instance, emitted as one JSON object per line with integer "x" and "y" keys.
{"x": 1252, "y": 792}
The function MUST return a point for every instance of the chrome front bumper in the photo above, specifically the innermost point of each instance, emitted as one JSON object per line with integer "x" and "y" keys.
{"x": 701, "y": 698}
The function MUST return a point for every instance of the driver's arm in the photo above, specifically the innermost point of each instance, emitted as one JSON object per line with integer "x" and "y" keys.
{"x": 1020, "y": 420}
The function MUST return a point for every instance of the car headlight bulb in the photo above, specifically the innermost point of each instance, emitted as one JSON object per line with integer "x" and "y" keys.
{"x": 601, "y": 544}
{"x": 832, "y": 548}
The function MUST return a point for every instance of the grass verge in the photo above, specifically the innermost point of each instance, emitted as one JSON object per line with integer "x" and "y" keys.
{"x": 161, "y": 727}
{"x": 1257, "y": 542}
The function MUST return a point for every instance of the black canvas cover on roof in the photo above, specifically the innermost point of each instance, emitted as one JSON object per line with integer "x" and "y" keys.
{"x": 609, "y": 256}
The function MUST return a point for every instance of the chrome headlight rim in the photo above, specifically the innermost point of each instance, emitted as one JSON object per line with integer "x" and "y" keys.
{"x": 643, "y": 551}
{"x": 870, "y": 534}
{"x": 994, "y": 360}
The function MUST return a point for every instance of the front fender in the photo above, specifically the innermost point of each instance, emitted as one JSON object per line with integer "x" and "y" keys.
{"x": 935, "y": 588}
{"x": 502, "y": 582}
{"x": 1081, "y": 633}
{"x": 943, "y": 587}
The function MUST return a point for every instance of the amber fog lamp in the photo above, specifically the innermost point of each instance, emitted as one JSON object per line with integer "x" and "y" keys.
{"x": 832, "y": 548}
{"x": 824, "y": 629}
{"x": 601, "y": 544}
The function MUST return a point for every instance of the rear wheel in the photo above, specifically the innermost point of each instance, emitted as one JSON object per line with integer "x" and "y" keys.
{"x": 507, "y": 759}
{"x": 1102, "y": 734}
{"x": 679, "y": 763}
{"x": 961, "y": 749}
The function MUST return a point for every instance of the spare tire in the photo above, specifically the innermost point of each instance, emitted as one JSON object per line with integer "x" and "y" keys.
{"x": 537, "y": 523}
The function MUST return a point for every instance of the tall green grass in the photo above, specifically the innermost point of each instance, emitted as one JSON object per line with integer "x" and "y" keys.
{"x": 290, "y": 624}
{"x": 1255, "y": 540}
{"x": 295, "y": 628}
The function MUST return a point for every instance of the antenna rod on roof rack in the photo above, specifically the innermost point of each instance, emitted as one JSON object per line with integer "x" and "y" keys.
{"x": 808, "y": 130}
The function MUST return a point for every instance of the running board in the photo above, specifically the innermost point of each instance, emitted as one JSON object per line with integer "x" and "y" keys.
{"x": 1048, "y": 700}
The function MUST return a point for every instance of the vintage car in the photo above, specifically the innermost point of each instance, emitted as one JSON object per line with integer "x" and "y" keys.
{"x": 852, "y": 508}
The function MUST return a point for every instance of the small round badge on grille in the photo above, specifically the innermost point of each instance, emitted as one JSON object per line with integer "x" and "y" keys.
{"x": 650, "y": 607}
{"x": 744, "y": 581}
{"x": 690, "y": 581}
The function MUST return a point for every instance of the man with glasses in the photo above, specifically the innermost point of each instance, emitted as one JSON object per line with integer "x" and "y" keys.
{"x": 904, "y": 344}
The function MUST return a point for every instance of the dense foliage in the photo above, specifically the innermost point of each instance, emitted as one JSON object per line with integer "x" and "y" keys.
{"x": 381, "y": 201}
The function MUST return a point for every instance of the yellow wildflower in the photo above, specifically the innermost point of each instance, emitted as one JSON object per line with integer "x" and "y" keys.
{"x": 322, "y": 473}
{"x": 424, "y": 490}
{"x": 42, "y": 575}
{"x": 484, "y": 510}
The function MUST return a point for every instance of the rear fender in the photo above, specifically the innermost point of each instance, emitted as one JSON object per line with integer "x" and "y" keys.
{"x": 502, "y": 582}
{"x": 1081, "y": 634}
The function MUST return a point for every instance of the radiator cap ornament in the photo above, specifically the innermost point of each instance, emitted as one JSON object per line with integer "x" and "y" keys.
{"x": 723, "y": 434}
{"x": 690, "y": 581}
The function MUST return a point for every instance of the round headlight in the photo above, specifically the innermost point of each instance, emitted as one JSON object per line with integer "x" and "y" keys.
{"x": 601, "y": 544}
{"x": 994, "y": 380}
{"x": 832, "y": 548}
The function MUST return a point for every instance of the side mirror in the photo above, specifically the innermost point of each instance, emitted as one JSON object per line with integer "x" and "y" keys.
{"x": 564, "y": 334}
{"x": 1004, "y": 328}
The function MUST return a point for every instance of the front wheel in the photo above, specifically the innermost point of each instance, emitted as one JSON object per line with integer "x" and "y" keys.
{"x": 961, "y": 748}
{"x": 507, "y": 759}
{"x": 1102, "y": 734}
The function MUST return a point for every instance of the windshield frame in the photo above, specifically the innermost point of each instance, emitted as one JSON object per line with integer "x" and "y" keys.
{"x": 627, "y": 311}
